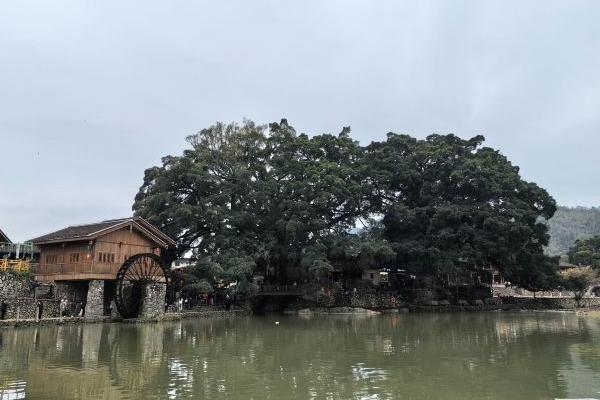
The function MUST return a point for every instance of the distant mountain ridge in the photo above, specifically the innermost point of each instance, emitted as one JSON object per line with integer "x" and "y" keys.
{"x": 569, "y": 224}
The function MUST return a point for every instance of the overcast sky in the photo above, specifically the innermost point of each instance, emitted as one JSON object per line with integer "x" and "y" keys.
{"x": 94, "y": 92}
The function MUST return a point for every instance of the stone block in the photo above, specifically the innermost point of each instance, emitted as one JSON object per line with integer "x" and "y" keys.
{"x": 94, "y": 306}
{"x": 153, "y": 300}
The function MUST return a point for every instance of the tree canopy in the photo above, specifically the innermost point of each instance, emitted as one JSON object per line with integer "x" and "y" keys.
{"x": 264, "y": 199}
{"x": 579, "y": 281}
{"x": 586, "y": 252}
{"x": 446, "y": 200}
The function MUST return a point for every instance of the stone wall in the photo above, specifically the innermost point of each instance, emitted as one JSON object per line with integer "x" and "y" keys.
{"x": 73, "y": 295}
{"x": 551, "y": 303}
{"x": 17, "y": 299}
{"x": 12, "y": 285}
{"x": 94, "y": 305}
{"x": 329, "y": 299}
{"x": 153, "y": 301}
{"x": 375, "y": 301}
{"x": 500, "y": 291}
{"x": 28, "y": 308}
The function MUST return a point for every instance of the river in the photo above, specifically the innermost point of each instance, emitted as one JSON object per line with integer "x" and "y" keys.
{"x": 491, "y": 355}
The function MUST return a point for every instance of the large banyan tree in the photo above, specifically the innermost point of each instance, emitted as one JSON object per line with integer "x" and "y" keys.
{"x": 264, "y": 199}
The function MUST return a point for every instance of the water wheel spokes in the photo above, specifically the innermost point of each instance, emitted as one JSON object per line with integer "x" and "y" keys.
{"x": 137, "y": 272}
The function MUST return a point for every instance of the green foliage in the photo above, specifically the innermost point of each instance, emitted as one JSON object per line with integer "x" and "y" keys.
{"x": 570, "y": 224}
{"x": 250, "y": 199}
{"x": 586, "y": 252}
{"x": 446, "y": 200}
{"x": 194, "y": 289}
{"x": 578, "y": 280}
{"x": 315, "y": 260}
{"x": 356, "y": 252}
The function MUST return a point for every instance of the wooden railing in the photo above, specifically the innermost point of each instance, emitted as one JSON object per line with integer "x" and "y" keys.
{"x": 15, "y": 265}
{"x": 87, "y": 267}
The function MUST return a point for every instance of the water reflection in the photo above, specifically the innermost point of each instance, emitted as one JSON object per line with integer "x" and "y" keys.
{"x": 13, "y": 390}
{"x": 450, "y": 356}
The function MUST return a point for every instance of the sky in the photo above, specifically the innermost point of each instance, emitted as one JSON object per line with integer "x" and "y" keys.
{"x": 94, "y": 92}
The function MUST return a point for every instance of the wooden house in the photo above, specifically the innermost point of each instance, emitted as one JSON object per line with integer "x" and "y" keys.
{"x": 96, "y": 251}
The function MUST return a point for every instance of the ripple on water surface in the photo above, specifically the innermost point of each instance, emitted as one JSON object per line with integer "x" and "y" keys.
{"x": 407, "y": 356}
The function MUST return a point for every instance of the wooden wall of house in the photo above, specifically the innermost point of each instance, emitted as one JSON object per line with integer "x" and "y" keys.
{"x": 57, "y": 258}
{"x": 111, "y": 250}
{"x": 105, "y": 255}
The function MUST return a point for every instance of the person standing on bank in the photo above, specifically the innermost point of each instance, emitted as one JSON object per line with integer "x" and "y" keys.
{"x": 227, "y": 301}
{"x": 40, "y": 309}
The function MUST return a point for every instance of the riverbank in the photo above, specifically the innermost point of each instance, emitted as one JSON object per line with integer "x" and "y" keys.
{"x": 590, "y": 306}
{"x": 221, "y": 314}
{"x": 587, "y": 305}
{"x": 95, "y": 320}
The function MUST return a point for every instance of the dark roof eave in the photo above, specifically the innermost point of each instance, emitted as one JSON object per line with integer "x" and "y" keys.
{"x": 3, "y": 235}
{"x": 157, "y": 232}
{"x": 142, "y": 225}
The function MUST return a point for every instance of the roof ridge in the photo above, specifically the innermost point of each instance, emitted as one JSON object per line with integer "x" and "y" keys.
{"x": 90, "y": 230}
{"x": 98, "y": 222}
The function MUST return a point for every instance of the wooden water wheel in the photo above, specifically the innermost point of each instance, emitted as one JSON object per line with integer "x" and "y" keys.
{"x": 137, "y": 272}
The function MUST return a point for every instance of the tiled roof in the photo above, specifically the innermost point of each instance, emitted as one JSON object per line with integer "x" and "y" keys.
{"x": 90, "y": 231}
{"x": 4, "y": 238}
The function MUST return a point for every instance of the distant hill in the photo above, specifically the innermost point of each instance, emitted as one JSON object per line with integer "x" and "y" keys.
{"x": 569, "y": 224}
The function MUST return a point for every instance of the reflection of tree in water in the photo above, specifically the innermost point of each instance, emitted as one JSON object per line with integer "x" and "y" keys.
{"x": 418, "y": 356}
{"x": 588, "y": 351}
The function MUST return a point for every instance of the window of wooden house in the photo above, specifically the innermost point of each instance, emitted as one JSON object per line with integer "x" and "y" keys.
{"x": 51, "y": 259}
{"x": 74, "y": 257}
{"x": 106, "y": 257}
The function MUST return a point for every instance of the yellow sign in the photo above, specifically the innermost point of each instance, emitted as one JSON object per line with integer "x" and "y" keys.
{"x": 14, "y": 265}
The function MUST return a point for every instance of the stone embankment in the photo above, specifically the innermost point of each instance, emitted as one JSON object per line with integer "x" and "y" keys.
{"x": 18, "y": 300}
{"x": 92, "y": 320}
{"x": 333, "y": 310}
{"x": 189, "y": 314}
{"x": 551, "y": 303}
{"x": 12, "y": 285}
{"x": 392, "y": 303}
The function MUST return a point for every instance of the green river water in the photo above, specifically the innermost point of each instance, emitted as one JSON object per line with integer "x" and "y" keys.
{"x": 493, "y": 355}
